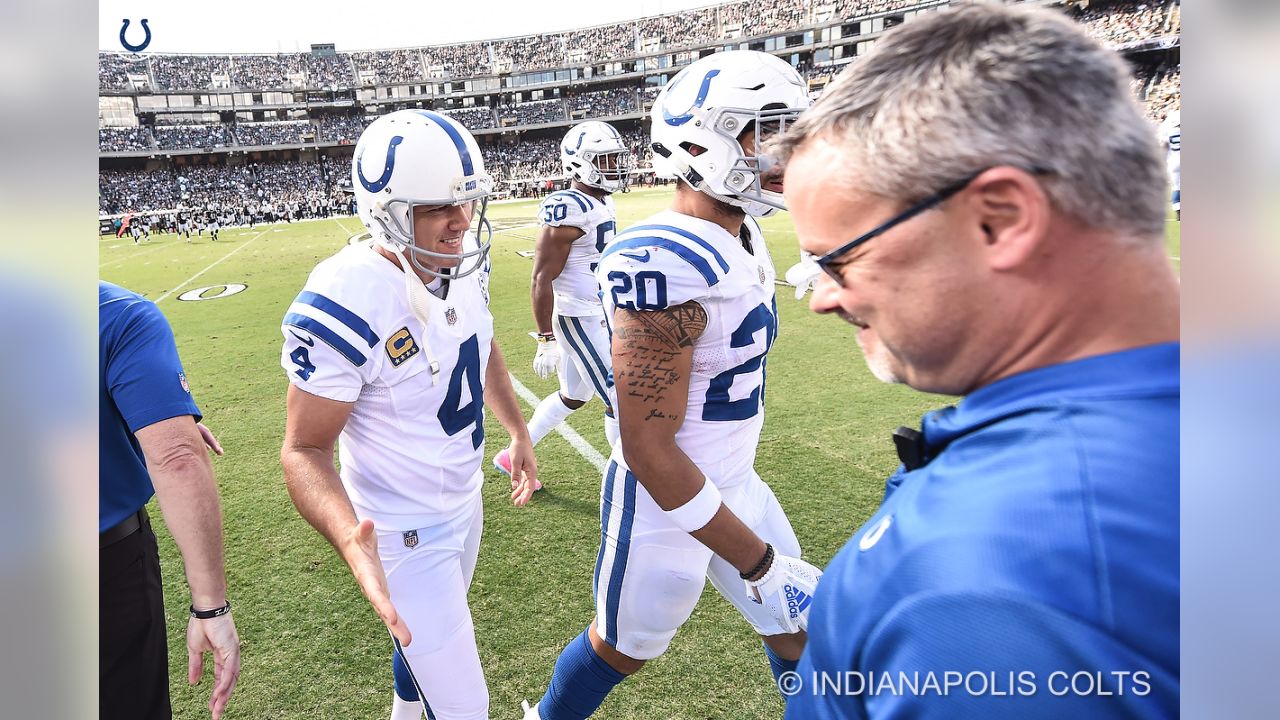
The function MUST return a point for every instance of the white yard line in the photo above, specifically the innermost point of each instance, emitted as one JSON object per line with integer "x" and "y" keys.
{"x": 584, "y": 448}
{"x": 211, "y": 266}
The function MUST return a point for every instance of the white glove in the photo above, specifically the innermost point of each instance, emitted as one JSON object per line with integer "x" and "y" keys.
{"x": 547, "y": 361}
{"x": 803, "y": 275}
{"x": 786, "y": 591}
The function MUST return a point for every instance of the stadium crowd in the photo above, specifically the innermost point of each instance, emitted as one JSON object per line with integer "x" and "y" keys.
{"x": 1165, "y": 94}
{"x": 527, "y": 159}
{"x": 1124, "y": 21}
{"x": 267, "y": 71}
{"x": 188, "y": 72}
{"x": 289, "y": 132}
{"x": 340, "y": 128}
{"x": 474, "y": 118}
{"x": 114, "y": 70}
{"x": 391, "y": 66}
{"x": 281, "y": 190}
{"x": 603, "y": 103}
{"x": 176, "y": 137}
{"x": 118, "y": 139}
{"x": 1121, "y": 21}
{"x": 532, "y": 113}
{"x": 531, "y": 51}
{"x": 465, "y": 60}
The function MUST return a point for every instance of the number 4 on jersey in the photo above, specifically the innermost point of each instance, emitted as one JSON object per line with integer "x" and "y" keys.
{"x": 454, "y": 416}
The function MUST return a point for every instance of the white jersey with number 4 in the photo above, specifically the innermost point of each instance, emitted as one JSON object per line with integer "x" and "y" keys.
{"x": 576, "y": 291}
{"x": 670, "y": 259}
{"x": 412, "y": 447}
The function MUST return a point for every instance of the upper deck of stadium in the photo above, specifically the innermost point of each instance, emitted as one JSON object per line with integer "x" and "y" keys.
{"x": 162, "y": 104}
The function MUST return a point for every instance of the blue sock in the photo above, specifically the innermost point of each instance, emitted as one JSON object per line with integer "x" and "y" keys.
{"x": 779, "y": 666}
{"x": 579, "y": 683}
{"x": 405, "y": 689}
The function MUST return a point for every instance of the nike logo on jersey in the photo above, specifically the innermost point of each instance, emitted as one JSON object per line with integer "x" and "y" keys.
{"x": 644, "y": 257}
{"x": 306, "y": 341}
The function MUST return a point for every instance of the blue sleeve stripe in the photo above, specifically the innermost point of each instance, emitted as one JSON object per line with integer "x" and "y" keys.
{"x": 698, "y": 262}
{"x": 333, "y": 339}
{"x": 687, "y": 235}
{"x": 575, "y": 198}
{"x": 343, "y": 315}
{"x": 590, "y": 203}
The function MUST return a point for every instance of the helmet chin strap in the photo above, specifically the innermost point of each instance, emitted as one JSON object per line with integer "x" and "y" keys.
{"x": 420, "y": 301}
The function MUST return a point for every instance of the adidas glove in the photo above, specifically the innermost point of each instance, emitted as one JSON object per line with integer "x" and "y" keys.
{"x": 803, "y": 275}
{"x": 786, "y": 591}
{"x": 547, "y": 360}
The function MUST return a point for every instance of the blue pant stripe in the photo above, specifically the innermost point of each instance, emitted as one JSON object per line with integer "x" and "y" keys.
{"x": 620, "y": 558}
{"x": 416, "y": 685}
{"x": 575, "y": 344}
{"x": 606, "y": 508}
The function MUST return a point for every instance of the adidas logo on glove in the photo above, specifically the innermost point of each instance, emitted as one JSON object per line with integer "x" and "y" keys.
{"x": 797, "y": 600}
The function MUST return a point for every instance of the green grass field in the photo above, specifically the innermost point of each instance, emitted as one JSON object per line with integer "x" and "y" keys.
{"x": 312, "y": 647}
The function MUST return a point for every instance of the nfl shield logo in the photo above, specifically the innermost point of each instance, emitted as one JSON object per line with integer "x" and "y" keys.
{"x": 761, "y": 269}
{"x": 451, "y": 316}
{"x": 182, "y": 380}
{"x": 411, "y": 538}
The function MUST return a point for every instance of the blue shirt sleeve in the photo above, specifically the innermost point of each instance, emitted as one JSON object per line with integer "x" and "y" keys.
{"x": 143, "y": 373}
{"x": 991, "y": 656}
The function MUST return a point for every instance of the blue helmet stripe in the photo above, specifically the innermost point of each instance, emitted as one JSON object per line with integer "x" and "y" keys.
{"x": 463, "y": 153}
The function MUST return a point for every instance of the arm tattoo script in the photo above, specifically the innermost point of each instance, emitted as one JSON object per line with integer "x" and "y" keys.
{"x": 651, "y": 342}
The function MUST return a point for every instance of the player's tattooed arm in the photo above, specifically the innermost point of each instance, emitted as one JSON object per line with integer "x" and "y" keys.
{"x": 653, "y": 351}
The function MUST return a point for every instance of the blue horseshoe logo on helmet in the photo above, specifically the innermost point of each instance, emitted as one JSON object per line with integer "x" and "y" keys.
{"x": 677, "y": 120}
{"x": 385, "y": 178}
{"x": 145, "y": 41}
{"x": 575, "y": 149}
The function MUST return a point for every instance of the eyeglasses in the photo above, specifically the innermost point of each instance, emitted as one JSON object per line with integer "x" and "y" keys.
{"x": 830, "y": 262}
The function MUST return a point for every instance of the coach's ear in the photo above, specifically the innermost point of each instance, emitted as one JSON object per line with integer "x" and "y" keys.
{"x": 1013, "y": 212}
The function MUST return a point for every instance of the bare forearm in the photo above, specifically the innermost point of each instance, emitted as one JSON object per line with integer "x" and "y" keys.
{"x": 317, "y": 492}
{"x": 672, "y": 480}
{"x": 543, "y": 300}
{"x": 188, "y": 497}
{"x": 500, "y": 396}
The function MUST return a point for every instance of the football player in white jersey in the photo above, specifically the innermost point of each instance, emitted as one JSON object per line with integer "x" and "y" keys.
{"x": 689, "y": 295}
{"x": 577, "y": 224}
{"x": 1171, "y": 137}
{"x": 389, "y": 350}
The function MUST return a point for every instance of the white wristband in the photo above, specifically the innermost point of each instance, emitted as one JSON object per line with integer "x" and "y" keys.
{"x": 695, "y": 514}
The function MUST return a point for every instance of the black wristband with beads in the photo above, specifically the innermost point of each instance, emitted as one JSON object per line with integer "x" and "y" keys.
{"x": 208, "y": 614}
{"x": 764, "y": 563}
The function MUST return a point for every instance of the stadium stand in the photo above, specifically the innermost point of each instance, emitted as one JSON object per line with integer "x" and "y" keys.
{"x": 603, "y": 103}
{"x": 477, "y": 118}
{"x": 273, "y": 133}
{"x": 118, "y": 139}
{"x": 1124, "y": 21}
{"x": 189, "y": 72}
{"x": 606, "y": 71}
{"x": 390, "y": 66}
{"x": 193, "y": 136}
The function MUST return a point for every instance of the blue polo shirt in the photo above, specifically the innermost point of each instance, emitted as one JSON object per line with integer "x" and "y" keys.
{"x": 140, "y": 382}
{"x": 1029, "y": 569}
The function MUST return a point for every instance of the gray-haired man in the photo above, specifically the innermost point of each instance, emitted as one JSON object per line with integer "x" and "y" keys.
{"x": 987, "y": 204}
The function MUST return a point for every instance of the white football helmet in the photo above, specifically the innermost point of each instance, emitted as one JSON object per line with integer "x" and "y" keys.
{"x": 417, "y": 157}
{"x": 586, "y": 145}
{"x": 708, "y": 105}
